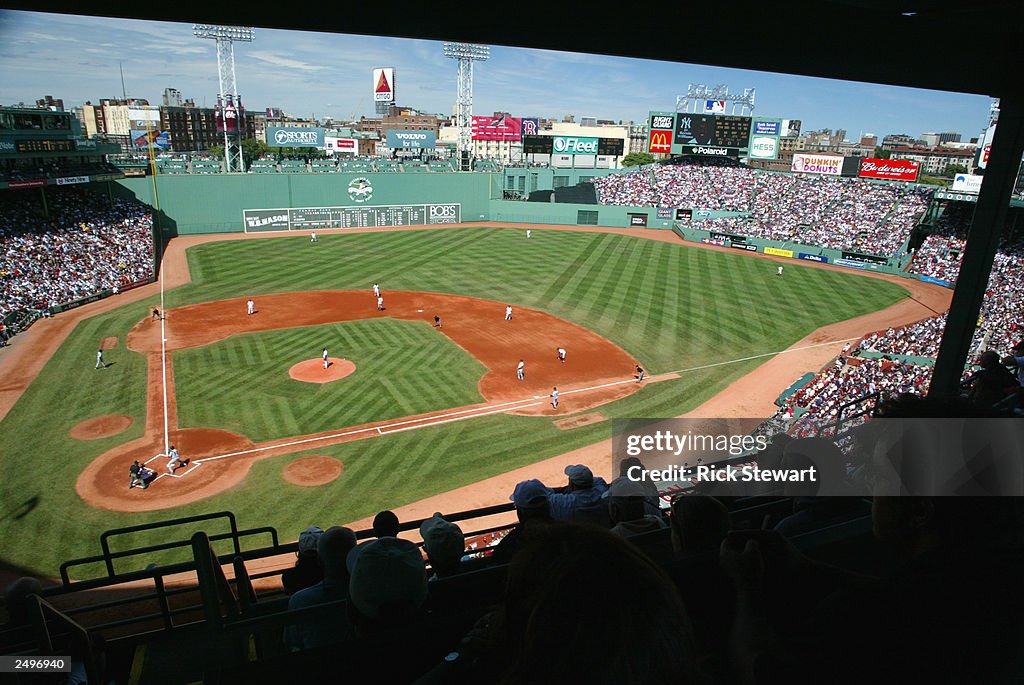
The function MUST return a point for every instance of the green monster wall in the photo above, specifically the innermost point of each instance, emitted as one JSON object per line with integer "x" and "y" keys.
{"x": 214, "y": 203}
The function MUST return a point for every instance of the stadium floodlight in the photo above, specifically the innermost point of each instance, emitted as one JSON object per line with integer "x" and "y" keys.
{"x": 226, "y": 36}
{"x": 465, "y": 54}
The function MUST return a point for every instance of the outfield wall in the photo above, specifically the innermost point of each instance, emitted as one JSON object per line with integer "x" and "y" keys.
{"x": 213, "y": 203}
{"x": 513, "y": 211}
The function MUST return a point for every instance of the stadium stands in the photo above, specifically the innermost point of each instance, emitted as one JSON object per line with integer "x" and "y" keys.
{"x": 87, "y": 245}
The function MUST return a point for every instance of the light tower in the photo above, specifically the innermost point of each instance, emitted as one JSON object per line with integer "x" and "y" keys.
{"x": 466, "y": 54}
{"x": 233, "y": 120}
{"x": 698, "y": 94}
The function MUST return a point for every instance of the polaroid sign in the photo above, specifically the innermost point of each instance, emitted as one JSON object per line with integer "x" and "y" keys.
{"x": 443, "y": 214}
{"x": 573, "y": 145}
{"x": 714, "y": 151}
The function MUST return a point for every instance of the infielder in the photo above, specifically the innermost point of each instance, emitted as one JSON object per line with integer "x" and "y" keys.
{"x": 156, "y": 314}
{"x": 327, "y": 361}
{"x": 380, "y": 303}
{"x": 437, "y": 321}
{"x": 554, "y": 398}
{"x": 508, "y": 312}
{"x": 376, "y": 290}
{"x": 251, "y": 306}
{"x": 561, "y": 354}
{"x": 99, "y": 360}
{"x": 174, "y": 460}
{"x": 639, "y": 373}
{"x": 521, "y": 370}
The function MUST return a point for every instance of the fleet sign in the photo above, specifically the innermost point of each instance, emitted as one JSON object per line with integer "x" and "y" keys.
{"x": 967, "y": 183}
{"x": 889, "y": 169}
{"x": 575, "y": 145}
{"x": 424, "y": 139}
{"x": 289, "y": 136}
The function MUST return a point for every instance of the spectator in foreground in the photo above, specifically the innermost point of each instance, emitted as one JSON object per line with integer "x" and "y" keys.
{"x": 992, "y": 383}
{"x": 627, "y": 508}
{"x": 388, "y": 585}
{"x": 307, "y": 570}
{"x": 385, "y": 525}
{"x": 699, "y": 524}
{"x": 551, "y": 629}
{"x": 581, "y": 499}
{"x": 333, "y": 547}
{"x": 533, "y": 511}
{"x": 444, "y": 544}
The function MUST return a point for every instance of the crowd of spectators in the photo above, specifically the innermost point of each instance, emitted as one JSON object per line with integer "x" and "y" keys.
{"x": 88, "y": 244}
{"x": 840, "y": 213}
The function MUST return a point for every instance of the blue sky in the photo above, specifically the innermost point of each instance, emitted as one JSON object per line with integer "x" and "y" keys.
{"x": 76, "y": 58}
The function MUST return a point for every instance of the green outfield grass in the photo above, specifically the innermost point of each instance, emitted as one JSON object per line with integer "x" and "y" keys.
{"x": 671, "y": 306}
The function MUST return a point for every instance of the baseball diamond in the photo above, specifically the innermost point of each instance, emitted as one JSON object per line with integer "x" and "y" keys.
{"x": 425, "y": 411}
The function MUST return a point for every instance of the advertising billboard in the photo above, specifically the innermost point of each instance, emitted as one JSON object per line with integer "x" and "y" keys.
{"x": 766, "y": 127}
{"x": 502, "y": 129}
{"x": 818, "y": 164}
{"x": 708, "y": 151}
{"x": 159, "y": 140}
{"x": 706, "y": 129}
{"x": 764, "y": 147}
{"x": 292, "y": 136}
{"x": 347, "y": 145}
{"x": 967, "y": 183}
{"x": 660, "y": 141}
{"x": 419, "y": 139}
{"x": 714, "y": 106}
{"x": 574, "y": 145}
{"x": 384, "y": 84}
{"x": 790, "y": 127}
{"x": 889, "y": 169}
{"x": 661, "y": 121}
{"x": 531, "y": 127}
{"x": 611, "y": 147}
{"x": 230, "y": 115}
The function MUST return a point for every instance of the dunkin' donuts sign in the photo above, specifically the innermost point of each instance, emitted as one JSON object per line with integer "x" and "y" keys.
{"x": 889, "y": 169}
{"x": 817, "y": 164}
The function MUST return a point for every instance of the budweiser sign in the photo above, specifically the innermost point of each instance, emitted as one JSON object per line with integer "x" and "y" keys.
{"x": 889, "y": 169}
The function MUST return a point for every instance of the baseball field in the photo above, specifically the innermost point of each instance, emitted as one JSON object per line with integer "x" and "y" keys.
{"x": 422, "y": 410}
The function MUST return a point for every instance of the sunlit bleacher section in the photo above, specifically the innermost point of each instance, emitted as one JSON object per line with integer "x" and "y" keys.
{"x": 265, "y": 164}
{"x": 491, "y": 166}
{"x": 205, "y": 164}
{"x": 441, "y": 165}
{"x": 387, "y": 166}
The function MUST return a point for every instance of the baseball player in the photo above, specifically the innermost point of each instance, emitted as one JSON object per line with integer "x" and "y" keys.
{"x": 779, "y": 272}
{"x": 561, "y": 354}
{"x": 250, "y": 306}
{"x": 136, "y": 476}
{"x": 99, "y": 360}
{"x": 437, "y": 321}
{"x": 521, "y": 370}
{"x": 639, "y": 373}
{"x": 380, "y": 303}
{"x": 554, "y": 398}
{"x": 508, "y": 312}
{"x": 173, "y": 461}
{"x": 376, "y": 290}
{"x": 156, "y": 314}
{"x": 312, "y": 237}
{"x": 528, "y": 233}
{"x": 327, "y": 361}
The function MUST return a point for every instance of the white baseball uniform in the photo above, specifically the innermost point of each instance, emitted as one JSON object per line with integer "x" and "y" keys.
{"x": 508, "y": 313}
{"x": 376, "y": 290}
{"x": 251, "y": 306}
{"x": 520, "y": 370}
{"x": 380, "y": 303}
{"x": 554, "y": 398}
{"x": 561, "y": 354}
{"x": 326, "y": 359}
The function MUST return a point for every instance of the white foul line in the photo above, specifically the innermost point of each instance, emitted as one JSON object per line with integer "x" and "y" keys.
{"x": 163, "y": 358}
{"x": 503, "y": 407}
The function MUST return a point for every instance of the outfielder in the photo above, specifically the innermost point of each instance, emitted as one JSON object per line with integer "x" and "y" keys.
{"x": 327, "y": 361}
{"x": 528, "y": 233}
{"x": 521, "y": 370}
{"x": 779, "y": 273}
{"x": 99, "y": 360}
{"x": 508, "y": 312}
{"x": 250, "y": 306}
{"x": 312, "y": 237}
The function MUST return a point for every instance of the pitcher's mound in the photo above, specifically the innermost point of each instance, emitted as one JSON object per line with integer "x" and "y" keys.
{"x": 309, "y": 471}
{"x": 313, "y": 371}
{"x": 100, "y": 427}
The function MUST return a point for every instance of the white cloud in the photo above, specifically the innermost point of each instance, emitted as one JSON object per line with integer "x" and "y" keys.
{"x": 279, "y": 61}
